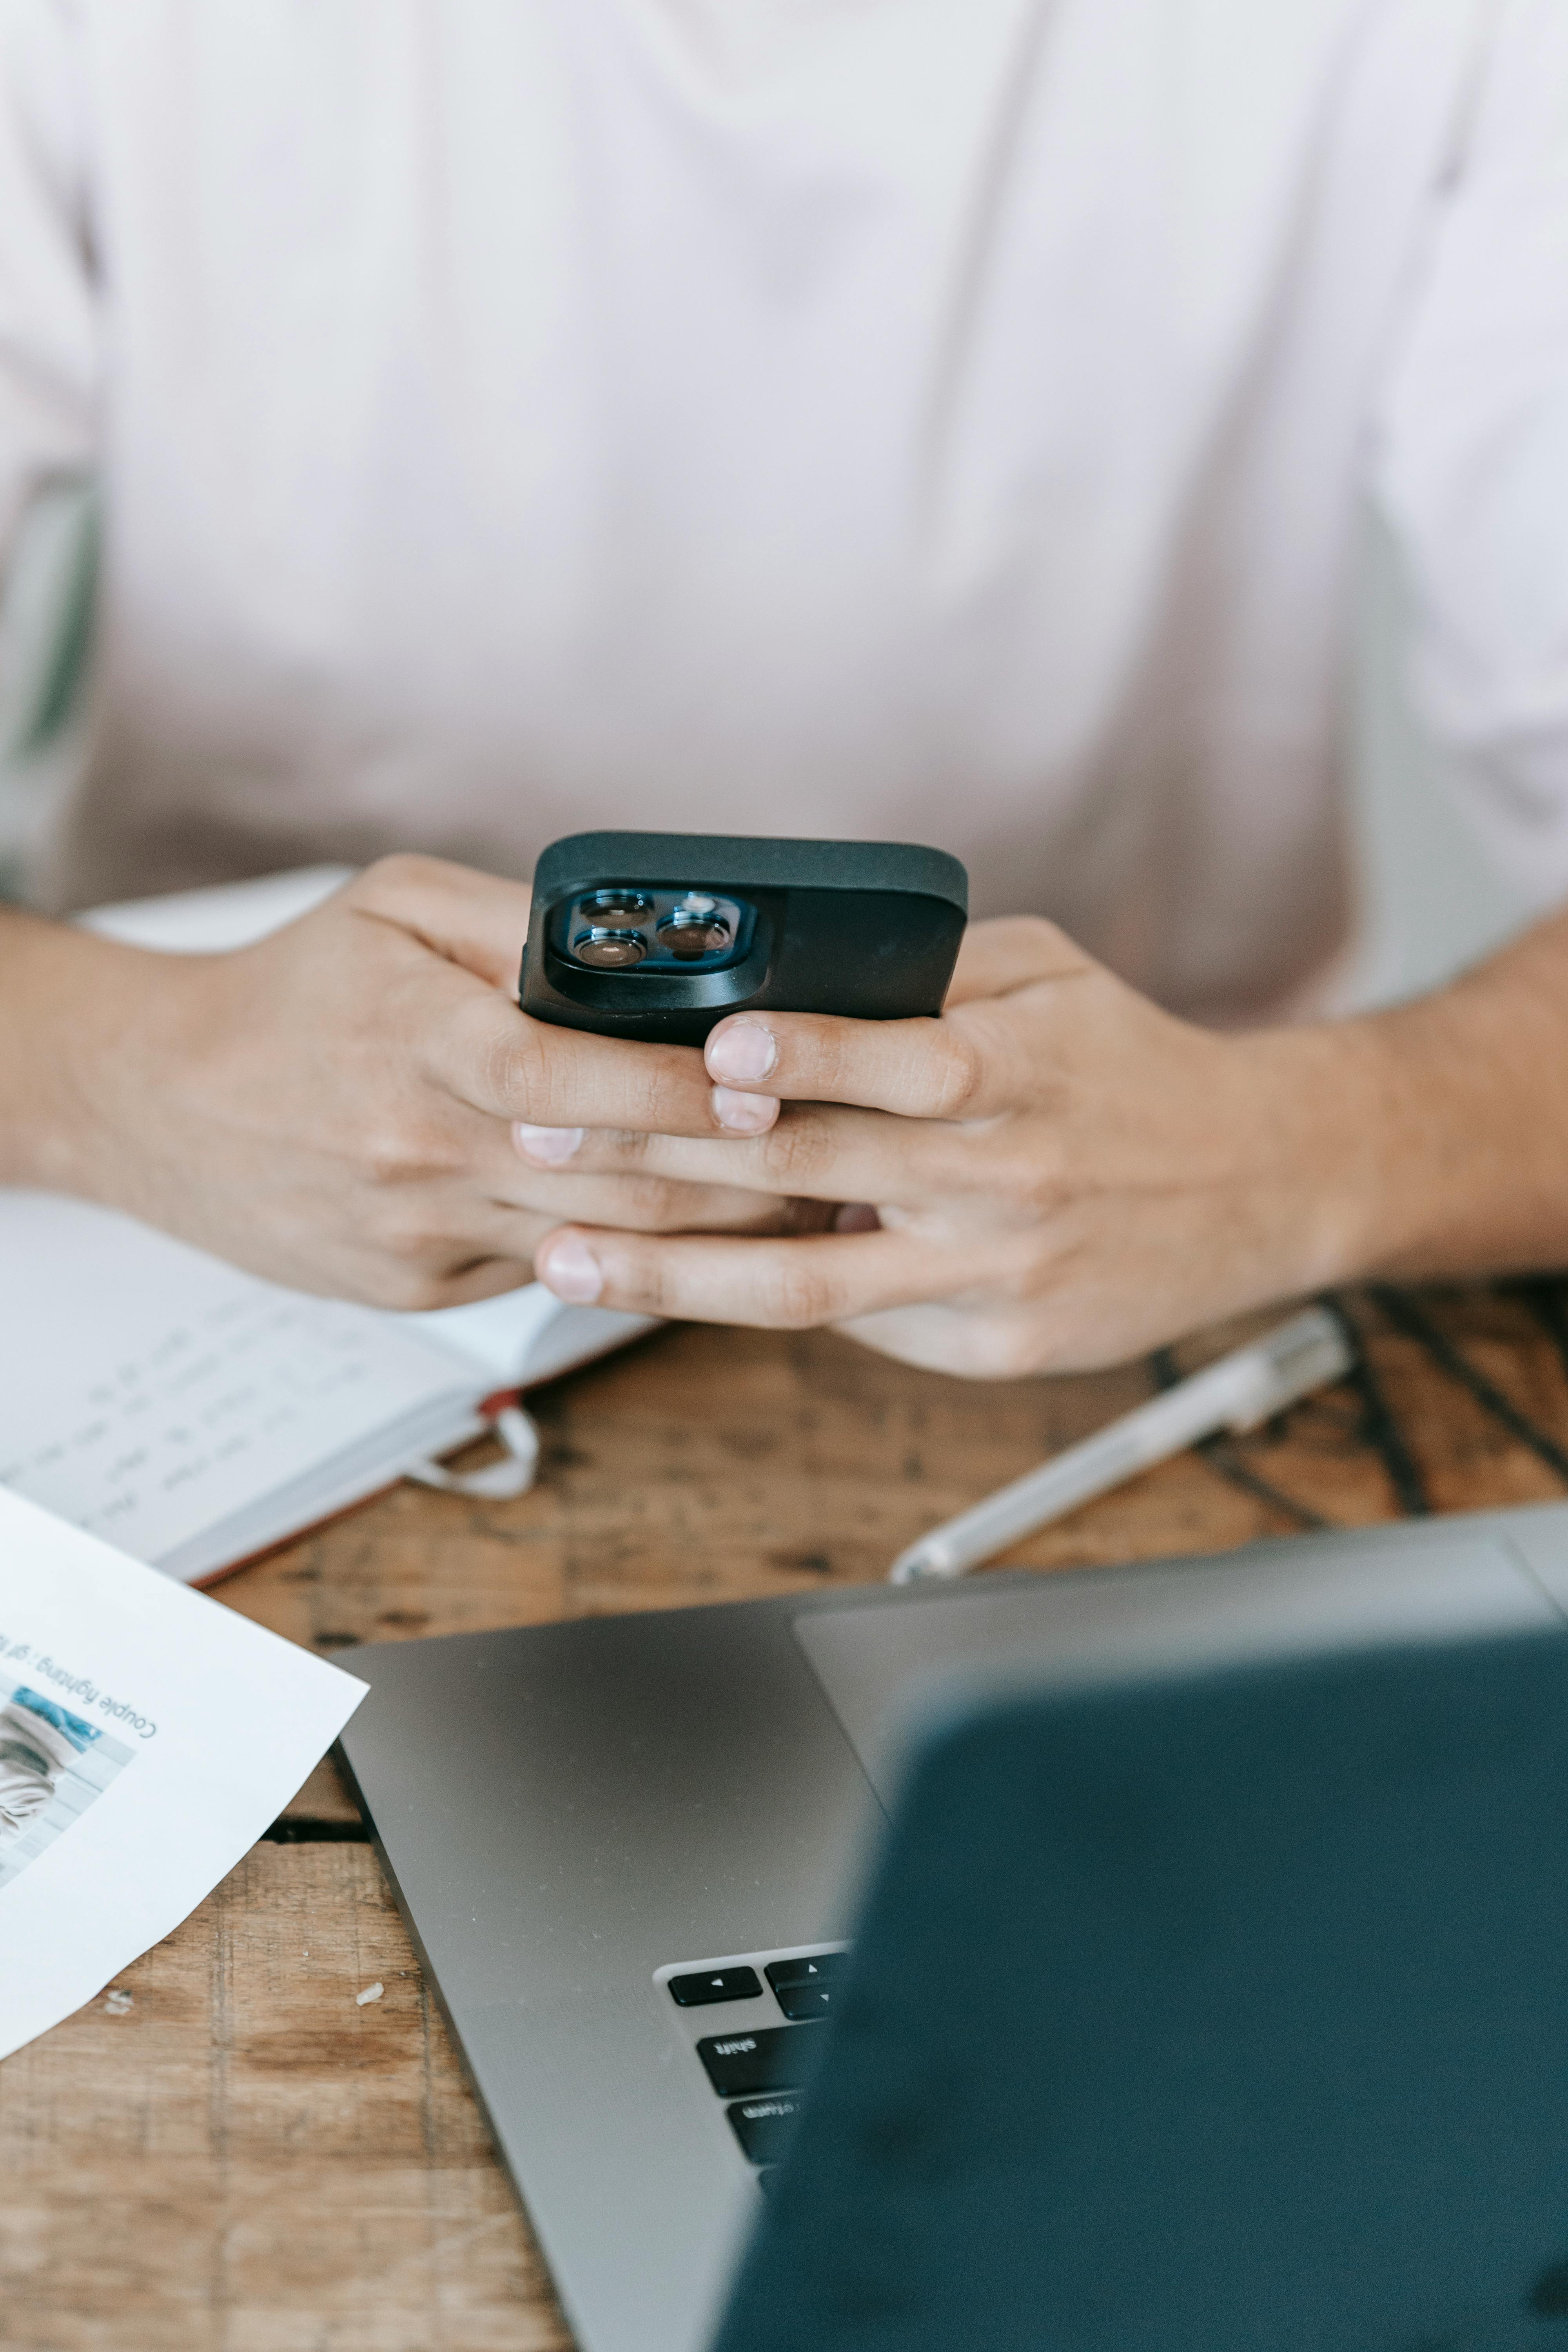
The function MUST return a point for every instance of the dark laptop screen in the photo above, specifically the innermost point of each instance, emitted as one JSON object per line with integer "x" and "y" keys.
{"x": 1220, "y": 2013}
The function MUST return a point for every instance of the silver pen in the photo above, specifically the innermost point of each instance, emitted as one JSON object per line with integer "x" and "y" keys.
{"x": 1237, "y": 1392}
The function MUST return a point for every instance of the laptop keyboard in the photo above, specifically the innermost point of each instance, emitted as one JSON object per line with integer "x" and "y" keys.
{"x": 753, "y": 2062}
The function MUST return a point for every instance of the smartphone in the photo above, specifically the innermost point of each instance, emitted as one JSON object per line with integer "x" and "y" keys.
{"x": 660, "y": 935}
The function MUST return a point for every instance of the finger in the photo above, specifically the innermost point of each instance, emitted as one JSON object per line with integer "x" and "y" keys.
{"x": 452, "y": 1274}
{"x": 477, "y": 920}
{"x": 1011, "y": 951}
{"x": 482, "y": 1277}
{"x": 968, "y": 1065}
{"x": 791, "y": 1285}
{"x": 494, "y": 1057}
{"x": 647, "y": 1203}
{"x": 816, "y": 1151}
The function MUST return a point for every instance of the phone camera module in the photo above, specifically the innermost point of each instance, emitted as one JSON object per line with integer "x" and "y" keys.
{"x": 689, "y": 934}
{"x": 603, "y": 949}
{"x": 616, "y": 910}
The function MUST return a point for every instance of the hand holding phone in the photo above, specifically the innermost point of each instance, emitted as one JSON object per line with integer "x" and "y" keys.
{"x": 660, "y": 935}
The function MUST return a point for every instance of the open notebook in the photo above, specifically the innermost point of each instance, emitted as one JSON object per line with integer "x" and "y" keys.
{"x": 192, "y": 1414}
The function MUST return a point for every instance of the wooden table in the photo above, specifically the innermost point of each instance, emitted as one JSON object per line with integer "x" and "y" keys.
{"x": 247, "y": 2159}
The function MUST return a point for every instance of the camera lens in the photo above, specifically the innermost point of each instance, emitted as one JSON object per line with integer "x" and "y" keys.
{"x": 607, "y": 950}
{"x": 615, "y": 907}
{"x": 689, "y": 936}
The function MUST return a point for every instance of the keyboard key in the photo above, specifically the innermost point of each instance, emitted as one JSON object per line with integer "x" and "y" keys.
{"x": 717, "y": 1984}
{"x": 763, "y": 2126}
{"x": 806, "y": 2001}
{"x": 807, "y": 1988}
{"x": 774, "y": 2058}
{"x": 807, "y": 1968}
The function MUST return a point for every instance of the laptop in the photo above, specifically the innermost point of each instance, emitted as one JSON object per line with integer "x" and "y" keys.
{"x": 1020, "y": 2103}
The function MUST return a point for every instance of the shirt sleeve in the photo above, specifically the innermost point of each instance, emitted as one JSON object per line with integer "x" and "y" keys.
{"x": 1470, "y": 454}
{"x": 48, "y": 323}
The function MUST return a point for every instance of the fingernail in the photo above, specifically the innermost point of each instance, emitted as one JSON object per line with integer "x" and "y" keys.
{"x": 573, "y": 1272}
{"x": 549, "y": 1144}
{"x": 745, "y": 1052}
{"x": 744, "y": 1114}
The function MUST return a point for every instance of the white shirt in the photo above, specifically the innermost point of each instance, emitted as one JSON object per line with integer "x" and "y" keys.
{"x": 942, "y": 419}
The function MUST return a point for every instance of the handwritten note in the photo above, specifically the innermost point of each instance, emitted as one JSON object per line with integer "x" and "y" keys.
{"x": 149, "y": 1392}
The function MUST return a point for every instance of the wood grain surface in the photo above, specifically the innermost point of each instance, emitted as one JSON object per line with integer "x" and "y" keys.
{"x": 247, "y": 2159}
{"x": 250, "y": 2159}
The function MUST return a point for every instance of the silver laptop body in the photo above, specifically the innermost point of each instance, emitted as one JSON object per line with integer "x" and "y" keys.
{"x": 627, "y": 1848}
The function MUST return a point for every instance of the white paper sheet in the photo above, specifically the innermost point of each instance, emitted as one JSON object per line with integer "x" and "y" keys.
{"x": 229, "y": 915}
{"x": 148, "y": 1735}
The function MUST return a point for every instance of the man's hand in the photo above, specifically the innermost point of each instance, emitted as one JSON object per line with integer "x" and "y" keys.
{"x": 340, "y": 1106}
{"x": 1055, "y": 1174}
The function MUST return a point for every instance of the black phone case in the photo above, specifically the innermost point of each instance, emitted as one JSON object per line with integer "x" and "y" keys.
{"x": 867, "y": 929}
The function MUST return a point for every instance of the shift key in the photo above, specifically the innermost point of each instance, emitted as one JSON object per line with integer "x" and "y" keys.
{"x": 774, "y": 2058}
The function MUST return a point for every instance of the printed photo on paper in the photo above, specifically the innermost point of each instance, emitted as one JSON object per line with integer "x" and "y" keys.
{"x": 52, "y": 1767}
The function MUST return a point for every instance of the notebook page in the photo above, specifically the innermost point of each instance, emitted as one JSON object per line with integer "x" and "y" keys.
{"x": 149, "y": 1392}
{"x": 527, "y": 1336}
